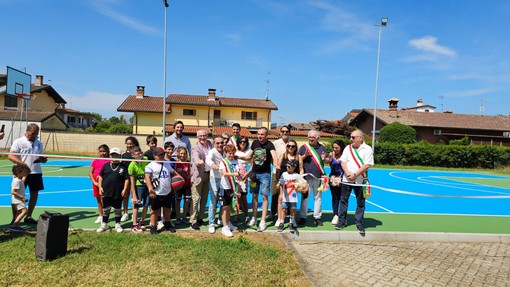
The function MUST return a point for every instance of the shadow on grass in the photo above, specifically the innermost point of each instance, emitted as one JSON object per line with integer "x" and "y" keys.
{"x": 6, "y": 235}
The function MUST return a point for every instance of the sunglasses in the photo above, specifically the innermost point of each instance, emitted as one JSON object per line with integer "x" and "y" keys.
{"x": 284, "y": 132}
{"x": 243, "y": 142}
{"x": 218, "y": 142}
{"x": 291, "y": 146}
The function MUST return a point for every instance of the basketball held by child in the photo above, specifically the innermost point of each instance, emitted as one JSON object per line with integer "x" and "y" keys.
{"x": 301, "y": 185}
{"x": 177, "y": 182}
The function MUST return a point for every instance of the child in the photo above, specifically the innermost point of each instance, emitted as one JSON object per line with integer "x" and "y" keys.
{"x": 289, "y": 194}
{"x": 229, "y": 188}
{"x": 18, "y": 198}
{"x": 113, "y": 187}
{"x": 152, "y": 143}
{"x": 169, "y": 148}
{"x": 95, "y": 168}
{"x": 139, "y": 191}
{"x": 159, "y": 182}
{"x": 183, "y": 167}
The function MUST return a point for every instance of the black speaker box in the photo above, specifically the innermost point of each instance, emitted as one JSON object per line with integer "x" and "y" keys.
{"x": 51, "y": 238}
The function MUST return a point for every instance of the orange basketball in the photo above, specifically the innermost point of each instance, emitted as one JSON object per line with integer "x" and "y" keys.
{"x": 177, "y": 182}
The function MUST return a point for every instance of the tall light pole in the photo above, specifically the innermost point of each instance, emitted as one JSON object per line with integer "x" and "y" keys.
{"x": 384, "y": 22}
{"x": 165, "y": 2}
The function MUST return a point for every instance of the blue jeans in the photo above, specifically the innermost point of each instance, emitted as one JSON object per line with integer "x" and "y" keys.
{"x": 214, "y": 184}
{"x": 263, "y": 184}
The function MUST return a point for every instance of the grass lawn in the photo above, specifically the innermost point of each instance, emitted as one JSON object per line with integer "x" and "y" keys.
{"x": 127, "y": 259}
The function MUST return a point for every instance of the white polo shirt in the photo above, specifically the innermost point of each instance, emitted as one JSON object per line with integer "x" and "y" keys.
{"x": 366, "y": 154}
{"x": 24, "y": 146}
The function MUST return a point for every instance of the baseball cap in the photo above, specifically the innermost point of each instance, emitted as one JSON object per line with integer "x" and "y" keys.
{"x": 115, "y": 150}
{"x": 293, "y": 163}
{"x": 158, "y": 151}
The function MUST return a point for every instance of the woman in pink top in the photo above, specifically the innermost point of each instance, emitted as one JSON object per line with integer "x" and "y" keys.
{"x": 95, "y": 168}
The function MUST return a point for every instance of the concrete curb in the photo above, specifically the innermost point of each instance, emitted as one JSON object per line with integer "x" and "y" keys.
{"x": 306, "y": 235}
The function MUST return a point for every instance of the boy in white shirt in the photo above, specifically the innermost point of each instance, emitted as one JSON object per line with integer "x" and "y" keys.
{"x": 229, "y": 188}
{"x": 18, "y": 198}
{"x": 289, "y": 195}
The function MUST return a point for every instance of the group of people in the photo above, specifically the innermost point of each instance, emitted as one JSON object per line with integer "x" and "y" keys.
{"x": 222, "y": 172}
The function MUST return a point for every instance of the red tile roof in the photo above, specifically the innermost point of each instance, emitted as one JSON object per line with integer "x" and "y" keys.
{"x": 154, "y": 104}
{"x": 217, "y": 130}
{"x": 444, "y": 120}
{"x": 301, "y": 133}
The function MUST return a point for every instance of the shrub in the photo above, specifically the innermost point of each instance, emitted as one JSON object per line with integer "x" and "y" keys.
{"x": 397, "y": 133}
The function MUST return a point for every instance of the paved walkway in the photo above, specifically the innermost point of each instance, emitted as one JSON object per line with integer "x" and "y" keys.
{"x": 399, "y": 263}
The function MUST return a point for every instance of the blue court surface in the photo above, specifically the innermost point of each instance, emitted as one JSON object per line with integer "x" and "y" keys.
{"x": 393, "y": 191}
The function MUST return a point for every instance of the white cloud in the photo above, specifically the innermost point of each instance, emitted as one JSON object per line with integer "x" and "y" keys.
{"x": 234, "y": 39}
{"x": 429, "y": 44}
{"x": 472, "y": 93}
{"x": 103, "y": 7}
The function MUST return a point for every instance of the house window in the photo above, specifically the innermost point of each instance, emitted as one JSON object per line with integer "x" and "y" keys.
{"x": 248, "y": 115}
{"x": 71, "y": 119}
{"x": 189, "y": 112}
{"x": 217, "y": 114}
{"x": 10, "y": 102}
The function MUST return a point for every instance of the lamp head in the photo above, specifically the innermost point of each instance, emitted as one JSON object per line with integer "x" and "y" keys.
{"x": 165, "y": 2}
{"x": 384, "y": 21}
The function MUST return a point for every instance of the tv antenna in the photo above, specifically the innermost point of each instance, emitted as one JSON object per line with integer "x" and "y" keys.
{"x": 482, "y": 105}
{"x": 442, "y": 102}
{"x": 267, "y": 86}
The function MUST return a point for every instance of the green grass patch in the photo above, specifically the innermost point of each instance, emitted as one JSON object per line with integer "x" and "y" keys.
{"x": 127, "y": 259}
{"x": 497, "y": 182}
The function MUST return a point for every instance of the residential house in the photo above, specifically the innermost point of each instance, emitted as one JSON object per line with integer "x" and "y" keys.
{"x": 434, "y": 127}
{"x": 195, "y": 111}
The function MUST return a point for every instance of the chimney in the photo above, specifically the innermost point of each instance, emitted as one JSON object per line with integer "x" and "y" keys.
{"x": 419, "y": 103}
{"x": 393, "y": 107}
{"x": 140, "y": 92}
{"x": 38, "y": 80}
{"x": 211, "y": 95}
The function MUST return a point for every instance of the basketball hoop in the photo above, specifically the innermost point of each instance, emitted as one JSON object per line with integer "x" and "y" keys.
{"x": 24, "y": 96}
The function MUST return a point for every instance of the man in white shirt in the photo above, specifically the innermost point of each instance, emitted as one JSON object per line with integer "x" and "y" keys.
{"x": 30, "y": 145}
{"x": 356, "y": 159}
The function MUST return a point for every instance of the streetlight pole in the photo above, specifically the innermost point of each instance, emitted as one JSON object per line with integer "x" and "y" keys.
{"x": 384, "y": 22}
{"x": 165, "y": 2}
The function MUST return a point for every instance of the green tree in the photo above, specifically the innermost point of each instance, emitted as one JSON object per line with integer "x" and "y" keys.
{"x": 397, "y": 133}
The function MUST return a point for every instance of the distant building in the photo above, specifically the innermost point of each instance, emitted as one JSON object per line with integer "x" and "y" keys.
{"x": 433, "y": 126}
{"x": 195, "y": 111}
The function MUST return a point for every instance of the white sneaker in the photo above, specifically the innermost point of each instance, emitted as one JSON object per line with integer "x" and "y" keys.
{"x": 277, "y": 223}
{"x": 262, "y": 226}
{"x": 253, "y": 221}
{"x": 334, "y": 221}
{"x": 231, "y": 226}
{"x": 212, "y": 228}
{"x": 124, "y": 218}
{"x": 226, "y": 231}
{"x": 160, "y": 225}
{"x": 118, "y": 228}
{"x": 99, "y": 219}
{"x": 103, "y": 227}
{"x": 219, "y": 222}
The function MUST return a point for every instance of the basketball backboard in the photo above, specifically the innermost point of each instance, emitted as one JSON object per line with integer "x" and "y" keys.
{"x": 18, "y": 82}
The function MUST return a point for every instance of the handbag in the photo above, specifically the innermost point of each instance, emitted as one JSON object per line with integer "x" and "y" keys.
{"x": 335, "y": 180}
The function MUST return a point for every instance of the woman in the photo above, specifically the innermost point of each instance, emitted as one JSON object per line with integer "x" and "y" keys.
{"x": 291, "y": 153}
{"x": 335, "y": 177}
{"x": 242, "y": 150}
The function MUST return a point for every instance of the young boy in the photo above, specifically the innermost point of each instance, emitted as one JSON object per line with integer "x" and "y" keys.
{"x": 139, "y": 191}
{"x": 228, "y": 189}
{"x": 18, "y": 198}
{"x": 114, "y": 182}
{"x": 289, "y": 194}
{"x": 152, "y": 143}
{"x": 159, "y": 182}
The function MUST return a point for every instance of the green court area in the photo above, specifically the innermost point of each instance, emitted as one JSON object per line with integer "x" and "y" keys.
{"x": 497, "y": 182}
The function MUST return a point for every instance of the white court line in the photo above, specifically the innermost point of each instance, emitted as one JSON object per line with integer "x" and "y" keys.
{"x": 374, "y": 204}
{"x": 392, "y": 174}
{"x": 440, "y": 214}
{"x": 57, "y": 192}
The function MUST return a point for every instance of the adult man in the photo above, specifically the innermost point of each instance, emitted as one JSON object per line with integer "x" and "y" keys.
{"x": 356, "y": 159}
{"x": 213, "y": 160}
{"x": 199, "y": 178}
{"x": 30, "y": 146}
{"x": 314, "y": 156}
{"x": 280, "y": 147}
{"x": 236, "y": 134}
{"x": 261, "y": 154}
{"x": 178, "y": 139}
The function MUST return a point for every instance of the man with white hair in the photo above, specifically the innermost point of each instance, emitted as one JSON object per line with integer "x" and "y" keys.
{"x": 356, "y": 159}
{"x": 314, "y": 156}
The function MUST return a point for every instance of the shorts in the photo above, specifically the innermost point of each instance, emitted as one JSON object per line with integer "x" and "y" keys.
{"x": 34, "y": 182}
{"x": 19, "y": 205}
{"x": 109, "y": 202}
{"x": 142, "y": 193}
{"x": 160, "y": 201}
{"x": 96, "y": 191}
{"x": 291, "y": 205}
{"x": 262, "y": 184}
{"x": 225, "y": 198}
{"x": 185, "y": 191}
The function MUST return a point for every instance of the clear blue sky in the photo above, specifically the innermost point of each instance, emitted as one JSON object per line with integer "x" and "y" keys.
{"x": 319, "y": 56}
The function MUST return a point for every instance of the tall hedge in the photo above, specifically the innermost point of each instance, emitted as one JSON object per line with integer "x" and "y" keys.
{"x": 425, "y": 154}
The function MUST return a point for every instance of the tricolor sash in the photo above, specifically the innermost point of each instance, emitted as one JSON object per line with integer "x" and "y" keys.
{"x": 233, "y": 141}
{"x": 366, "y": 184}
{"x": 315, "y": 158}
